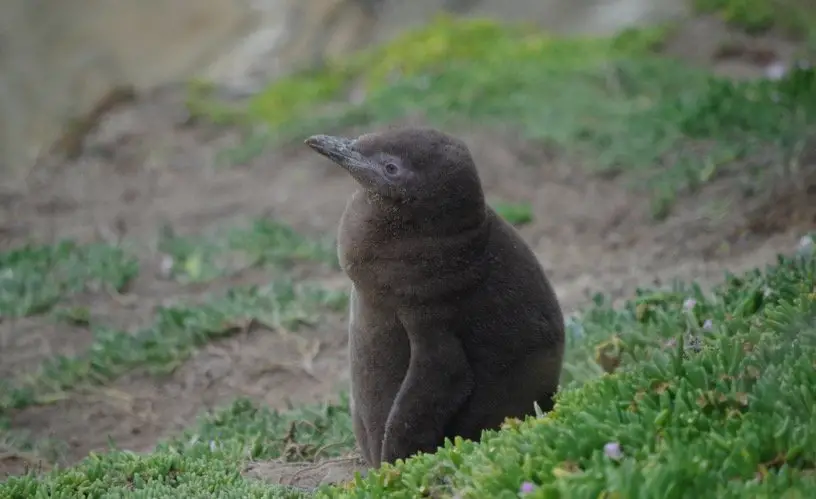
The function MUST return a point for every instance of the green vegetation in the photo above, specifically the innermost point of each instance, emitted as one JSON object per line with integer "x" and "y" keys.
{"x": 201, "y": 103}
{"x": 41, "y": 279}
{"x": 728, "y": 415}
{"x": 205, "y": 462}
{"x": 35, "y": 278}
{"x": 302, "y": 434}
{"x": 679, "y": 393}
{"x": 792, "y": 17}
{"x": 261, "y": 243}
{"x": 515, "y": 213}
{"x": 177, "y": 331}
{"x": 613, "y": 104}
{"x": 445, "y": 46}
{"x": 710, "y": 394}
{"x": 34, "y": 447}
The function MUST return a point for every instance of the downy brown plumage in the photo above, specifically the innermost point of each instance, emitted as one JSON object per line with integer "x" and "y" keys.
{"x": 453, "y": 324}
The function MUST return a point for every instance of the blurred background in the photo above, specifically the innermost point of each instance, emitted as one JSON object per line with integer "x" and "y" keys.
{"x": 153, "y": 182}
{"x": 60, "y": 60}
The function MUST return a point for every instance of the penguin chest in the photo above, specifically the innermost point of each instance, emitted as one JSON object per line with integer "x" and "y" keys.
{"x": 379, "y": 351}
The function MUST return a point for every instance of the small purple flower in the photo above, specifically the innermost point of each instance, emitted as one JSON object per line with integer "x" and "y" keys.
{"x": 708, "y": 325}
{"x": 613, "y": 450}
{"x": 689, "y": 303}
{"x": 526, "y": 488}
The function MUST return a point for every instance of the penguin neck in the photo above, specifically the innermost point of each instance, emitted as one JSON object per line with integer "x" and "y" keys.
{"x": 454, "y": 215}
{"x": 377, "y": 234}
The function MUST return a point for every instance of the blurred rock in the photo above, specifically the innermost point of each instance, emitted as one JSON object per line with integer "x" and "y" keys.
{"x": 61, "y": 61}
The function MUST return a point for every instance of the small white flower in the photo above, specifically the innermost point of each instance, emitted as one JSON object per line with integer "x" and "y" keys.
{"x": 806, "y": 245}
{"x": 574, "y": 327}
{"x": 776, "y": 70}
{"x": 166, "y": 266}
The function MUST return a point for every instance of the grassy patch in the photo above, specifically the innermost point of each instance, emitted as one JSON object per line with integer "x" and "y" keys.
{"x": 261, "y": 243}
{"x": 200, "y": 103}
{"x": 423, "y": 61}
{"x": 515, "y": 213}
{"x": 35, "y": 278}
{"x": 244, "y": 429}
{"x": 442, "y": 46}
{"x": 612, "y": 103}
{"x": 33, "y": 449}
{"x": 205, "y": 461}
{"x": 711, "y": 395}
{"x": 793, "y": 17}
{"x": 169, "y": 341}
{"x": 729, "y": 414}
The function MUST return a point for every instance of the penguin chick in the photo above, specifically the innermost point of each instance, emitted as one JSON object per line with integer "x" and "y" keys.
{"x": 453, "y": 325}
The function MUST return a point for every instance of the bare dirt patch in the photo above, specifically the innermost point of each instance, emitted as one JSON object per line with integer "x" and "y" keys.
{"x": 710, "y": 42}
{"x": 306, "y": 475}
{"x": 277, "y": 368}
{"x": 26, "y": 341}
{"x": 147, "y": 167}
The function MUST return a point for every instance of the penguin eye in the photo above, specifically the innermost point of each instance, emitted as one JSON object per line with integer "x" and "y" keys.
{"x": 391, "y": 168}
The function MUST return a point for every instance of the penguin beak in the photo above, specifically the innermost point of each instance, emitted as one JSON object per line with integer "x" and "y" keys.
{"x": 340, "y": 150}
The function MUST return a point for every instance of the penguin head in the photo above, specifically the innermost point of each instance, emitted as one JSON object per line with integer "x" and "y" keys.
{"x": 410, "y": 165}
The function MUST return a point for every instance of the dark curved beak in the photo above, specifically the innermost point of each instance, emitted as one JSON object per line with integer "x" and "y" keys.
{"x": 340, "y": 151}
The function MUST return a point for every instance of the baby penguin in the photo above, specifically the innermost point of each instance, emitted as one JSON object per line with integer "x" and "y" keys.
{"x": 453, "y": 325}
